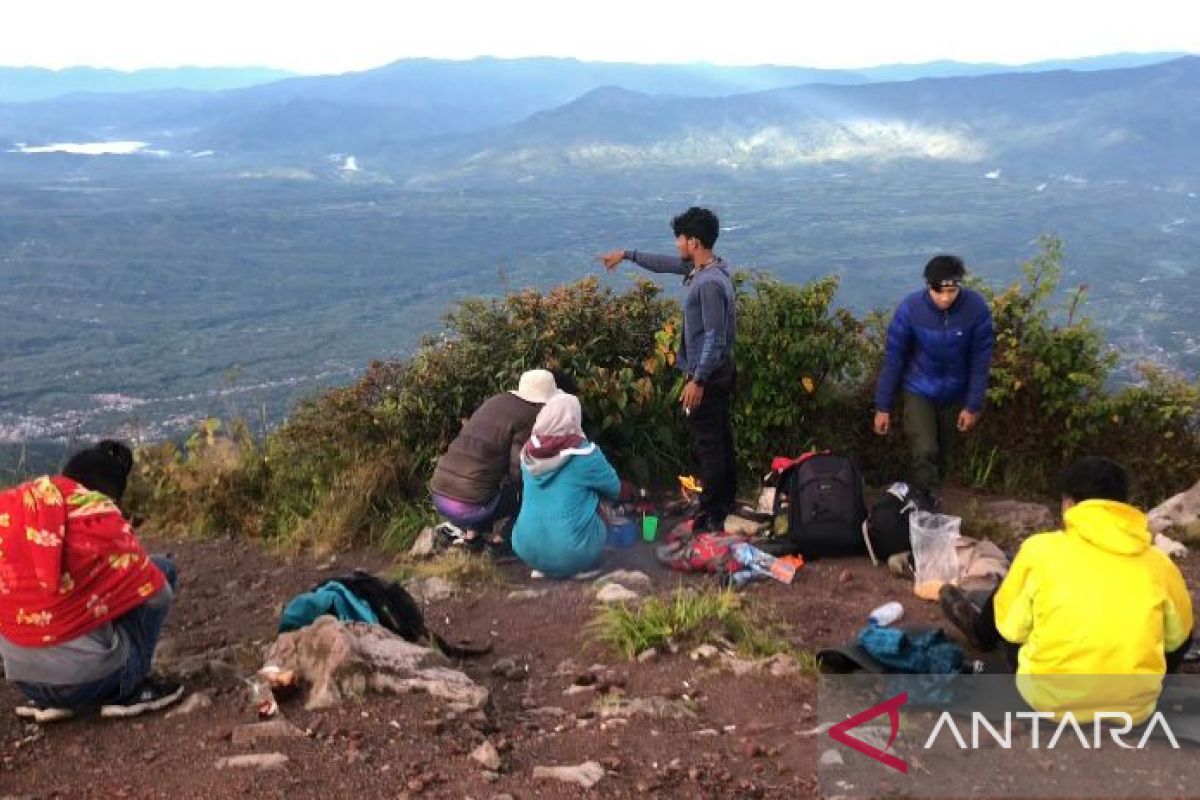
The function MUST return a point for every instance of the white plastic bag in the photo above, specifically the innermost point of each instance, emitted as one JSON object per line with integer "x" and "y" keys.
{"x": 935, "y": 559}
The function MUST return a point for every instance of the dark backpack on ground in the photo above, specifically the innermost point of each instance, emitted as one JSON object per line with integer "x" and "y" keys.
{"x": 399, "y": 612}
{"x": 887, "y": 524}
{"x": 825, "y": 508}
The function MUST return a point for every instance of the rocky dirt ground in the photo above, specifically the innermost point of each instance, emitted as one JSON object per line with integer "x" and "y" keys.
{"x": 671, "y": 726}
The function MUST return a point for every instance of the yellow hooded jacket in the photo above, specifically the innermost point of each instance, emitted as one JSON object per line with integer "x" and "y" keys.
{"x": 1096, "y": 599}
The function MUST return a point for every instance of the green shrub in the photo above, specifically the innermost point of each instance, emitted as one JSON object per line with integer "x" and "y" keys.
{"x": 611, "y": 343}
{"x": 1050, "y": 398}
{"x": 798, "y": 360}
{"x": 350, "y": 466}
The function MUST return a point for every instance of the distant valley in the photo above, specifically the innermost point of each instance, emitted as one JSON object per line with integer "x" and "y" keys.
{"x": 252, "y": 245}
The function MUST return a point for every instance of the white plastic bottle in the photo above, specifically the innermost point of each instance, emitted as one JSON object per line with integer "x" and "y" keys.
{"x": 886, "y": 614}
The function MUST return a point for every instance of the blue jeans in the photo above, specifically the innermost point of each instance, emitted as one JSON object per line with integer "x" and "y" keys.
{"x": 142, "y": 626}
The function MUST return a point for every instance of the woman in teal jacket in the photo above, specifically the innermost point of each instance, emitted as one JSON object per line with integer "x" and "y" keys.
{"x": 559, "y": 531}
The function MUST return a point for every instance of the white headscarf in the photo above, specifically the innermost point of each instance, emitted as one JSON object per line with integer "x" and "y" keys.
{"x": 557, "y": 435}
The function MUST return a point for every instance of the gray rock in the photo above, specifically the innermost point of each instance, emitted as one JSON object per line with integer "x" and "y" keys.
{"x": 704, "y": 652}
{"x": 780, "y": 665}
{"x": 1169, "y": 546}
{"x": 832, "y": 758}
{"x": 343, "y": 660}
{"x": 487, "y": 757}
{"x": 1018, "y": 516}
{"x": 259, "y": 761}
{"x": 435, "y": 590}
{"x": 526, "y": 594}
{"x": 587, "y": 774}
{"x": 1179, "y": 511}
{"x": 630, "y": 579}
{"x": 658, "y": 707}
{"x": 256, "y": 731}
{"x": 615, "y": 593}
{"x": 649, "y": 654}
{"x": 423, "y": 546}
{"x": 549, "y": 711}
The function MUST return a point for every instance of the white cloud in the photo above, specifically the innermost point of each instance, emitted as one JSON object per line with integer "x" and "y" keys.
{"x": 88, "y": 148}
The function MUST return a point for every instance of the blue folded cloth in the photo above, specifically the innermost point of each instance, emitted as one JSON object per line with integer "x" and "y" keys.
{"x": 328, "y": 598}
{"x": 925, "y": 653}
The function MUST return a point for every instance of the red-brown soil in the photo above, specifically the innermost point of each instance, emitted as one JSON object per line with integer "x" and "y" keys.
{"x": 744, "y": 740}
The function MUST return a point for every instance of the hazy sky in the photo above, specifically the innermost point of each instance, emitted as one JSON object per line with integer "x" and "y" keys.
{"x": 314, "y": 36}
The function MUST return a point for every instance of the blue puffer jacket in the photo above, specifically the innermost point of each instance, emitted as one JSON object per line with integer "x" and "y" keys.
{"x": 940, "y": 355}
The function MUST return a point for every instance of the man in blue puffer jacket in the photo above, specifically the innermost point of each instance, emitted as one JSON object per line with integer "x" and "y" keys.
{"x": 939, "y": 348}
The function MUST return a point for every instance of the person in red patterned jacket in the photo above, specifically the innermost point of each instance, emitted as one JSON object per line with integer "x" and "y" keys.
{"x": 82, "y": 604}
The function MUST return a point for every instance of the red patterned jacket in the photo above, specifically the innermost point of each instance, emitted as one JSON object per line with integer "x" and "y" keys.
{"x": 69, "y": 562}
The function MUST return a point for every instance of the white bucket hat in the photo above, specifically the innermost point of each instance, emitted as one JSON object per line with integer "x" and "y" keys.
{"x": 536, "y": 386}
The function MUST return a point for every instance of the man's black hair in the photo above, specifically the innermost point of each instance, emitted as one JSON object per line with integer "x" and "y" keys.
{"x": 103, "y": 468}
{"x": 944, "y": 268}
{"x": 1095, "y": 478}
{"x": 700, "y": 223}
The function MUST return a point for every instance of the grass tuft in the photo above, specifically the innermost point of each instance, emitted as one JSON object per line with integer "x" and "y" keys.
{"x": 457, "y": 566}
{"x": 690, "y": 617}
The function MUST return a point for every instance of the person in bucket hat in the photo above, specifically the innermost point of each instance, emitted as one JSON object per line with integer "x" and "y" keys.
{"x": 477, "y": 481}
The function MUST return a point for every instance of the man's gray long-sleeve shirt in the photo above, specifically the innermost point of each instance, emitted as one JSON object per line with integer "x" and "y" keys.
{"x": 709, "y": 312}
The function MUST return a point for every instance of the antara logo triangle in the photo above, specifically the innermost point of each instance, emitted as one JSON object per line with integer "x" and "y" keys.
{"x": 841, "y": 732}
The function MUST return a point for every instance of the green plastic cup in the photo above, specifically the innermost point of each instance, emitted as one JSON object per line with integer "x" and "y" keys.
{"x": 649, "y": 527}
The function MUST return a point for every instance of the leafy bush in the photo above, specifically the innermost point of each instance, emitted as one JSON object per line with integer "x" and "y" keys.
{"x": 351, "y": 465}
{"x": 1050, "y": 398}
{"x": 798, "y": 359}
{"x": 615, "y": 345}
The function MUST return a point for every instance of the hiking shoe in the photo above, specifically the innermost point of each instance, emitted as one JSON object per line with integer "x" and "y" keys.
{"x": 34, "y": 712}
{"x": 155, "y": 694}
{"x": 447, "y": 534}
{"x": 961, "y": 612}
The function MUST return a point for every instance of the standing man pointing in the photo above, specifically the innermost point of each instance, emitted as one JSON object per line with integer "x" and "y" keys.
{"x": 705, "y": 353}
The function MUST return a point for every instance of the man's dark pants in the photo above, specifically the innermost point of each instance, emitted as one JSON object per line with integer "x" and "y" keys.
{"x": 931, "y": 430}
{"x": 712, "y": 432}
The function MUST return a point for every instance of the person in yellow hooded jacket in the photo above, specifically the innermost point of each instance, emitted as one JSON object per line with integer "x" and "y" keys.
{"x": 1091, "y": 616}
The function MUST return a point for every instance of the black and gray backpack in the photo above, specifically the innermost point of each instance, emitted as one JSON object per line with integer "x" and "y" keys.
{"x": 822, "y": 497}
